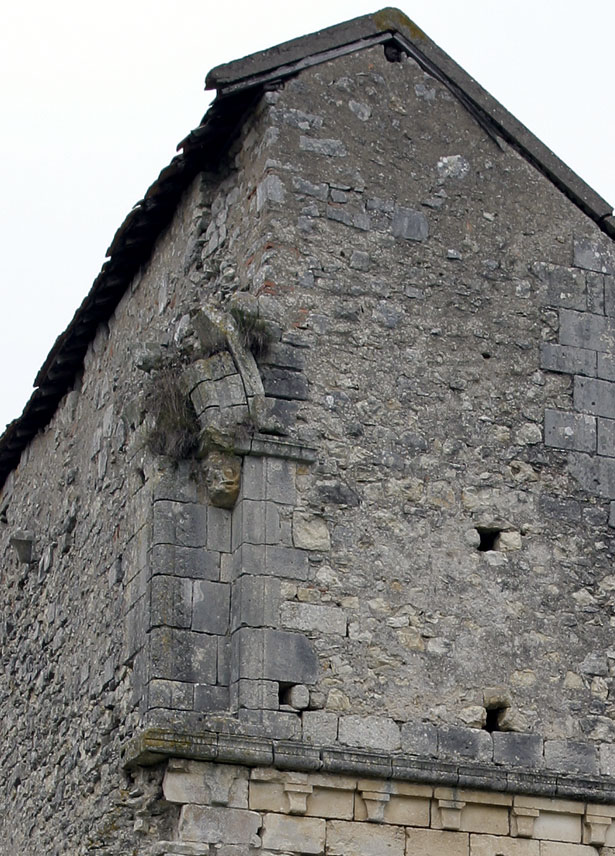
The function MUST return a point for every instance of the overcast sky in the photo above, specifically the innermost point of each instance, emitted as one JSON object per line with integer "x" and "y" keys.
{"x": 96, "y": 96}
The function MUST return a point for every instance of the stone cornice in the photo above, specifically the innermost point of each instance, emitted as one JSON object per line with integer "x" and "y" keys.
{"x": 153, "y": 745}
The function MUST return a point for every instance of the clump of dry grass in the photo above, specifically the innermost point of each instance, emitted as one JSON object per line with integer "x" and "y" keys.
{"x": 254, "y": 332}
{"x": 175, "y": 431}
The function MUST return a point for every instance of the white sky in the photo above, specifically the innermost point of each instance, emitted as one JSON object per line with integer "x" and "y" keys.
{"x": 95, "y": 97}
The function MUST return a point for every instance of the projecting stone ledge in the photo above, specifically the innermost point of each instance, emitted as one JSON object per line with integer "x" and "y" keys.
{"x": 228, "y": 746}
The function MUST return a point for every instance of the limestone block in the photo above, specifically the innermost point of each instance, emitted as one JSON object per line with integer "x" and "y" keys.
{"x": 204, "y": 783}
{"x": 276, "y": 561}
{"x": 465, "y": 743}
{"x": 563, "y": 358}
{"x": 363, "y": 839}
{"x": 182, "y": 655}
{"x": 493, "y": 820}
{"x": 565, "y": 430}
{"x": 307, "y": 616}
{"x": 253, "y": 481}
{"x": 432, "y": 842}
{"x": 319, "y": 726}
{"x": 491, "y": 845}
{"x": 517, "y": 750}
{"x": 300, "y": 834}
{"x": 255, "y": 602}
{"x": 557, "y": 826}
{"x": 370, "y": 732}
{"x": 549, "y": 848}
{"x": 208, "y": 698}
{"x": 268, "y": 796}
{"x": 396, "y": 809}
{"x": 255, "y": 695}
{"x": 594, "y": 396}
{"x": 281, "y": 479}
{"x": 274, "y": 655}
{"x": 219, "y": 825}
{"x": 310, "y": 533}
{"x": 331, "y": 803}
{"x": 218, "y": 529}
{"x": 183, "y": 524}
{"x": 211, "y": 607}
{"x": 585, "y": 330}
{"x": 258, "y": 522}
{"x": 419, "y": 738}
{"x": 571, "y": 756}
{"x": 171, "y": 601}
{"x": 194, "y": 562}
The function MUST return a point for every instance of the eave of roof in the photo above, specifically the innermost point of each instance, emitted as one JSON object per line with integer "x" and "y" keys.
{"x": 239, "y": 84}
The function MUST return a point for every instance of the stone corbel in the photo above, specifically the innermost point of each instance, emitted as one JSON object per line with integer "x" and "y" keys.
{"x": 450, "y": 813}
{"x": 595, "y": 828}
{"x": 375, "y": 804}
{"x": 523, "y": 820}
{"x": 297, "y": 793}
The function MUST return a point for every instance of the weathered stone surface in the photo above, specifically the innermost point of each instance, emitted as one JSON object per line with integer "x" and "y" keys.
{"x": 360, "y": 839}
{"x": 310, "y": 532}
{"x": 219, "y": 825}
{"x": 275, "y": 655}
{"x": 409, "y": 224}
{"x": 223, "y": 479}
{"x": 569, "y": 360}
{"x": 435, "y": 842}
{"x": 369, "y": 732}
{"x": 211, "y": 607}
{"x": 518, "y": 750}
{"x": 312, "y": 617}
{"x": 570, "y": 431}
{"x": 303, "y": 834}
{"x": 204, "y": 783}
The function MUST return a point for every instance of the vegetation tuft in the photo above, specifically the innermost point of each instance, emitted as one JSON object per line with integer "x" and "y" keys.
{"x": 175, "y": 432}
{"x": 254, "y": 332}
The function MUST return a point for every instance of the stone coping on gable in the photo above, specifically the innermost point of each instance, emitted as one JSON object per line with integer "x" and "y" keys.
{"x": 512, "y": 773}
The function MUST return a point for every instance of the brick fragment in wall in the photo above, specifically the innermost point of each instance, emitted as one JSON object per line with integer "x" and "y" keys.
{"x": 327, "y": 147}
{"x": 370, "y": 732}
{"x": 409, "y": 224}
{"x": 595, "y": 474}
{"x": 274, "y": 655}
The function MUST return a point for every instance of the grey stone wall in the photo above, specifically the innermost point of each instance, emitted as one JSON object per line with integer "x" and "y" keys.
{"x": 392, "y": 534}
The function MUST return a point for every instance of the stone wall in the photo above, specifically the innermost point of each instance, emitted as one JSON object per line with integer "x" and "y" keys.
{"x": 326, "y": 493}
{"x": 270, "y": 811}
